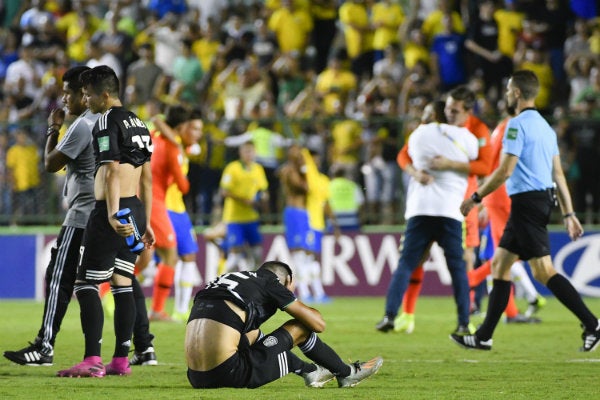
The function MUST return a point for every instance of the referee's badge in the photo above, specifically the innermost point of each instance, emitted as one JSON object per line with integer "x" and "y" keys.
{"x": 511, "y": 134}
{"x": 270, "y": 341}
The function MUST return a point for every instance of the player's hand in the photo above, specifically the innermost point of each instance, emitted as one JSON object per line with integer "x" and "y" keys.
{"x": 423, "y": 177}
{"x": 56, "y": 117}
{"x": 574, "y": 227}
{"x": 439, "y": 163}
{"x": 121, "y": 229}
{"x": 466, "y": 206}
{"x": 148, "y": 237}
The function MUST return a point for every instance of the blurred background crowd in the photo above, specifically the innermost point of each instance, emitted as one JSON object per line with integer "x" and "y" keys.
{"x": 348, "y": 79}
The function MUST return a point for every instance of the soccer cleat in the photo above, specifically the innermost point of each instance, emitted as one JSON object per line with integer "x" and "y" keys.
{"x": 31, "y": 355}
{"x": 385, "y": 325}
{"x": 465, "y": 330}
{"x": 522, "y": 319}
{"x": 535, "y": 306}
{"x": 405, "y": 323}
{"x": 471, "y": 342}
{"x": 359, "y": 372}
{"x": 590, "y": 339}
{"x": 146, "y": 357}
{"x": 159, "y": 316}
{"x": 118, "y": 366}
{"x": 90, "y": 367}
{"x": 318, "y": 378}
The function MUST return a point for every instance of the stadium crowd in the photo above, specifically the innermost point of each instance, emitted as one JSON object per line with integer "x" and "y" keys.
{"x": 348, "y": 79}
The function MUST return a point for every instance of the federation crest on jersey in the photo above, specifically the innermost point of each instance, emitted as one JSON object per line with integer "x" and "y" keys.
{"x": 270, "y": 341}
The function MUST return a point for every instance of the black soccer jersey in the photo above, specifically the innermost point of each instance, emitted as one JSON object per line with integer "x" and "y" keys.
{"x": 119, "y": 135}
{"x": 259, "y": 293}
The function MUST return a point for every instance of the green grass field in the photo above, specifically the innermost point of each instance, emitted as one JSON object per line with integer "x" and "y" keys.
{"x": 527, "y": 361}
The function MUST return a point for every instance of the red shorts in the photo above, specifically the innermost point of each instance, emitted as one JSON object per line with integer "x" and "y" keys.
{"x": 162, "y": 227}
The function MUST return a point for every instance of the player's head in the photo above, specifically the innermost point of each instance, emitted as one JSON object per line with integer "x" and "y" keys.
{"x": 193, "y": 130}
{"x": 434, "y": 112}
{"x": 459, "y": 103}
{"x": 247, "y": 152}
{"x": 99, "y": 84}
{"x": 176, "y": 116}
{"x": 72, "y": 95}
{"x": 522, "y": 85}
{"x": 282, "y": 270}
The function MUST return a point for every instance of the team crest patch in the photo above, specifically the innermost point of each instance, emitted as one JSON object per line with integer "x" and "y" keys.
{"x": 270, "y": 341}
{"x": 103, "y": 143}
{"x": 481, "y": 142}
{"x": 511, "y": 134}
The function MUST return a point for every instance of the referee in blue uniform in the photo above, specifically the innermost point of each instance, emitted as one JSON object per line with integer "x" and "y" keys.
{"x": 530, "y": 165}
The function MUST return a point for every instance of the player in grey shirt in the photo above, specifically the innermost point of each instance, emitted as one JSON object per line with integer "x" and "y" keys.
{"x": 74, "y": 151}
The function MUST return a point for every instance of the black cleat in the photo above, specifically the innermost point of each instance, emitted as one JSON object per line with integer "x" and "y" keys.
{"x": 31, "y": 355}
{"x": 385, "y": 325}
{"x": 590, "y": 339}
{"x": 146, "y": 357}
{"x": 471, "y": 342}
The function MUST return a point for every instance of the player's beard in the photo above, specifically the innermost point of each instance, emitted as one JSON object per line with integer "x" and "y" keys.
{"x": 511, "y": 109}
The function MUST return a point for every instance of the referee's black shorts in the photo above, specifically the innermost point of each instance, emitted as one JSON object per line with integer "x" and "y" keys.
{"x": 526, "y": 232}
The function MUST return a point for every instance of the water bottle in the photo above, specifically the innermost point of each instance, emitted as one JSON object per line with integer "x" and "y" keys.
{"x": 133, "y": 241}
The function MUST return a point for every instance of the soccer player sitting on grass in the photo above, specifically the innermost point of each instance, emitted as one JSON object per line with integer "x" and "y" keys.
{"x": 224, "y": 346}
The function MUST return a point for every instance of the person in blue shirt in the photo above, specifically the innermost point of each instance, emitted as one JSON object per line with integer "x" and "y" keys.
{"x": 530, "y": 165}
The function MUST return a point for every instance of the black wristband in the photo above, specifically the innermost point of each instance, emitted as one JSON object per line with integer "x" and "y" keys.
{"x": 52, "y": 130}
{"x": 476, "y": 197}
{"x": 567, "y": 215}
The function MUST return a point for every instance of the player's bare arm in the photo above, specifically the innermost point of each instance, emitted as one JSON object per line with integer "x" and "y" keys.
{"x": 508, "y": 162}
{"x": 572, "y": 223}
{"x": 54, "y": 160}
{"x": 146, "y": 197}
{"x": 310, "y": 317}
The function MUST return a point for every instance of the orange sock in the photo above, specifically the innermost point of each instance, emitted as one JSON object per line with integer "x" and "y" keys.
{"x": 162, "y": 286}
{"x": 103, "y": 288}
{"x": 478, "y": 275}
{"x": 511, "y": 308}
{"x": 412, "y": 291}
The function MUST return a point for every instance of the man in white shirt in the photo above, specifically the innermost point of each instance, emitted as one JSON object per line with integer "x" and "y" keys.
{"x": 433, "y": 214}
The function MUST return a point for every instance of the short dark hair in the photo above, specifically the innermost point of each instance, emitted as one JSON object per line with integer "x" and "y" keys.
{"x": 176, "y": 115}
{"x": 196, "y": 113}
{"x": 279, "y": 268}
{"x": 527, "y": 82}
{"x": 72, "y": 77}
{"x": 464, "y": 94}
{"x": 101, "y": 79}
{"x": 438, "y": 111}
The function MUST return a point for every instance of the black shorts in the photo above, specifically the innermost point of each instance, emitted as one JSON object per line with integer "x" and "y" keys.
{"x": 103, "y": 251}
{"x": 526, "y": 232}
{"x": 251, "y": 366}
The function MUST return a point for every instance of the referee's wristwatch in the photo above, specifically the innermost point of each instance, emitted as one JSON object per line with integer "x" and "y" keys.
{"x": 476, "y": 197}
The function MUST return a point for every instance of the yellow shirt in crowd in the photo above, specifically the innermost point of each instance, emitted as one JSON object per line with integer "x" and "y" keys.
{"x": 243, "y": 182}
